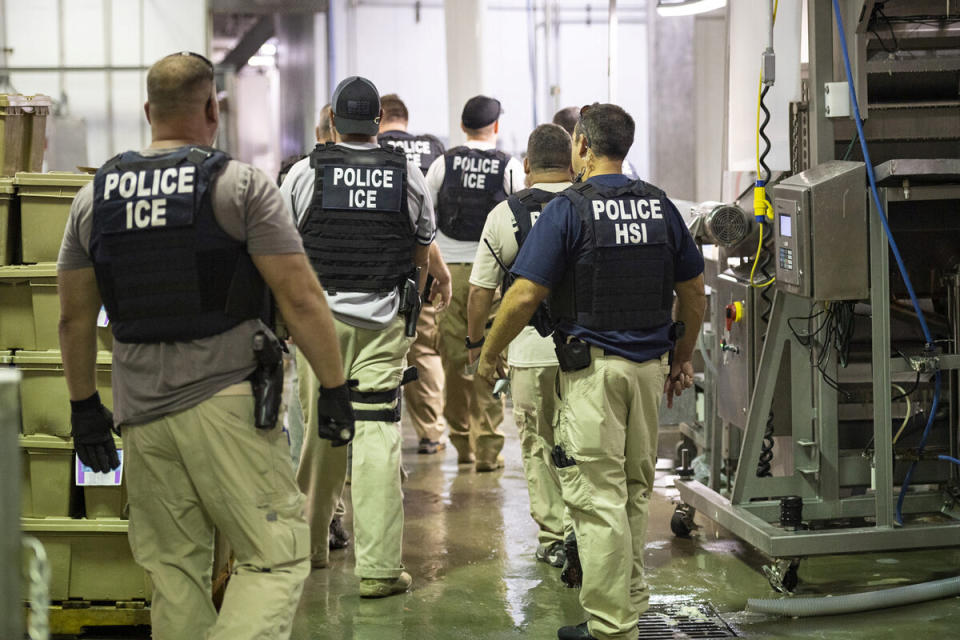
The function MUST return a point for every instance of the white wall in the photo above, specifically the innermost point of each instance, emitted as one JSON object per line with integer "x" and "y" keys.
{"x": 138, "y": 32}
{"x": 383, "y": 41}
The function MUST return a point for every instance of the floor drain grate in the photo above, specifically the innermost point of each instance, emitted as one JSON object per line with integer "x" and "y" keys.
{"x": 682, "y": 620}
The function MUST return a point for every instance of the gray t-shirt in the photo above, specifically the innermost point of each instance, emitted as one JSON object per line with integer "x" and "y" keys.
{"x": 361, "y": 309}
{"x": 152, "y": 380}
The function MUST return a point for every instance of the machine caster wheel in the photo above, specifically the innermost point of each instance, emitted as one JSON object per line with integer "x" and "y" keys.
{"x": 782, "y": 575}
{"x": 681, "y": 523}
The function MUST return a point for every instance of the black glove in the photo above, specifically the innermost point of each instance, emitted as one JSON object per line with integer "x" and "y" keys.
{"x": 336, "y": 414}
{"x": 92, "y": 434}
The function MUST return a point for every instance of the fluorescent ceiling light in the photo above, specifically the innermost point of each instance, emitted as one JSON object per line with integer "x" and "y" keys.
{"x": 688, "y": 7}
{"x": 261, "y": 61}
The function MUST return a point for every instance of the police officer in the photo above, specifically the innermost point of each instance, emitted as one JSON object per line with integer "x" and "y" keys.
{"x": 180, "y": 243}
{"x": 367, "y": 224}
{"x": 338, "y": 538}
{"x": 424, "y": 397}
{"x": 568, "y": 118}
{"x": 609, "y": 253}
{"x": 532, "y": 361}
{"x": 466, "y": 183}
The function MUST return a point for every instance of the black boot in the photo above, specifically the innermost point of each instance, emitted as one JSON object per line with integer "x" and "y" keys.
{"x": 578, "y": 632}
{"x": 339, "y": 538}
{"x": 572, "y": 573}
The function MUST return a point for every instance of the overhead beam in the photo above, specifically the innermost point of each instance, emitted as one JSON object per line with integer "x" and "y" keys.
{"x": 268, "y": 6}
{"x": 248, "y": 45}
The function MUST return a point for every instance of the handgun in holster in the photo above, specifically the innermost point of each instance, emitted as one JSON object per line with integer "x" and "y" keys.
{"x": 411, "y": 303}
{"x": 267, "y": 379}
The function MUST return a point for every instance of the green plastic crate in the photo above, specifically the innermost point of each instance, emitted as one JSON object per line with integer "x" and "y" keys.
{"x": 16, "y": 305}
{"x": 44, "y": 400}
{"x": 45, "y": 200}
{"x": 47, "y": 467}
{"x": 89, "y": 559}
{"x": 34, "y": 111}
{"x": 11, "y": 134}
{"x": 30, "y": 309}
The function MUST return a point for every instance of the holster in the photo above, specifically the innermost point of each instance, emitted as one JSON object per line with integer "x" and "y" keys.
{"x": 267, "y": 379}
{"x": 573, "y": 355}
{"x": 411, "y": 303}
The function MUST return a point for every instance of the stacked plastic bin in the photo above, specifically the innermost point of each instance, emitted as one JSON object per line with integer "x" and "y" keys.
{"x": 82, "y": 528}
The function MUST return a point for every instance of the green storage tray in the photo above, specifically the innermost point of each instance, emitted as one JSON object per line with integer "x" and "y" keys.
{"x": 16, "y": 304}
{"x": 44, "y": 400}
{"x": 34, "y": 110}
{"x": 11, "y": 134}
{"x": 89, "y": 559}
{"x": 47, "y": 468}
{"x": 45, "y": 200}
{"x": 8, "y": 232}
{"x": 38, "y": 282}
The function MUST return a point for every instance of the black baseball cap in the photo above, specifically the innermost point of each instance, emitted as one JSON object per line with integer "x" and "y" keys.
{"x": 480, "y": 111}
{"x": 356, "y": 106}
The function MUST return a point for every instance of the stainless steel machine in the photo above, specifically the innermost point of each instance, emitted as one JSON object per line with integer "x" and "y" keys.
{"x": 815, "y": 370}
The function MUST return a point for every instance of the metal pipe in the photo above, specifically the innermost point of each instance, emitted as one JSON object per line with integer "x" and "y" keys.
{"x": 11, "y": 601}
{"x": 108, "y": 59}
{"x": 331, "y": 53}
{"x": 612, "y": 56}
{"x": 953, "y": 312}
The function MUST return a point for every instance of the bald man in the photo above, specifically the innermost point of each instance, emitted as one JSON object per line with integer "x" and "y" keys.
{"x": 181, "y": 244}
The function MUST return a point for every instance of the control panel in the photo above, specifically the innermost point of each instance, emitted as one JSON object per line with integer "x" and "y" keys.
{"x": 820, "y": 231}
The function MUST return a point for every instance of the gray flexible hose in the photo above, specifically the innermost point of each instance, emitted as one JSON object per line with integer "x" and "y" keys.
{"x": 855, "y": 602}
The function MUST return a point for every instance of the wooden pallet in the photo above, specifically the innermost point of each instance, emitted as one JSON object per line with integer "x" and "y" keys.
{"x": 72, "y": 617}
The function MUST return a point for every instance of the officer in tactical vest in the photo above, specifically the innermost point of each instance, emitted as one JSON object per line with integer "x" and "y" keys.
{"x": 367, "y": 225}
{"x": 466, "y": 183}
{"x": 424, "y": 397}
{"x": 181, "y": 243}
{"x": 532, "y": 361}
{"x": 608, "y": 254}
{"x": 339, "y": 538}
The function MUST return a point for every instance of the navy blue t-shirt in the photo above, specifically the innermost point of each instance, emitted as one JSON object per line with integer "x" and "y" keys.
{"x": 551, "y": 250}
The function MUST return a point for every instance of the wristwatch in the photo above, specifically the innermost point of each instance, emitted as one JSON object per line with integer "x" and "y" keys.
{"x": 474, "y": 345}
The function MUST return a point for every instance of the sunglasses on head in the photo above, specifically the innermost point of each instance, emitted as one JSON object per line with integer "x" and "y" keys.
{"x": 191, "y": 54}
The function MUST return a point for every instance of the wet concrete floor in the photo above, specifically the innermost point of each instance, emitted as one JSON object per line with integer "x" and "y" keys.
{"x": 469, "y": 544}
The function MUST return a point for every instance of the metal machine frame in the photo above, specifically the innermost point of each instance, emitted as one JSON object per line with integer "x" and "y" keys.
{"x": 820, "y": 471}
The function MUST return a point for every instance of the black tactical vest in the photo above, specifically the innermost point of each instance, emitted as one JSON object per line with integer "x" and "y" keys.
{"x": 472, "y": 185}
{"x": 526, "y": 206}
{"x": 623, "y": 277}
{"x": 358, "y": 233}
{"x": 166, "y": 270}
{"x": 421, "y": 150}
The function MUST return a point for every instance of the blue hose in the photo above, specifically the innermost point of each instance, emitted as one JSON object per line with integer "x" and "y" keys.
{"x": 893, "y": 246}
{"x": 949, "y": 459}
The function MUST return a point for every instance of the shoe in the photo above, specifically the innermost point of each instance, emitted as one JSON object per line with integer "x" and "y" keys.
{"x": 552, "y": 553}
{"x": 430, "y": 446}
{"x": 578, "y": 632}
{"x": 466, "y": 458}
{"x": 490, "y": 466}
{"x": 383, "y": 587}
{"x": 572, "y": 573}
{"x": 339, "y": 538}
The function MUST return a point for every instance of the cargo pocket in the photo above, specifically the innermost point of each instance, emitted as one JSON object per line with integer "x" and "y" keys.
{"x": 582, "y": 422}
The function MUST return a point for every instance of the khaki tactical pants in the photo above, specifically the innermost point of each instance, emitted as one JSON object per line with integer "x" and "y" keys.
{"x": 474, "y": 419}
{"x": 375, "y": 359}
{"x": 535, "y": 412}
{"x": 208, "y": 467}
{"x": 424, "y": 397}
{"x": 608, "y": 424}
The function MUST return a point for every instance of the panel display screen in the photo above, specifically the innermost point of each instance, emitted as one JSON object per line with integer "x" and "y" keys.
{"x": 786, "y": 226}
